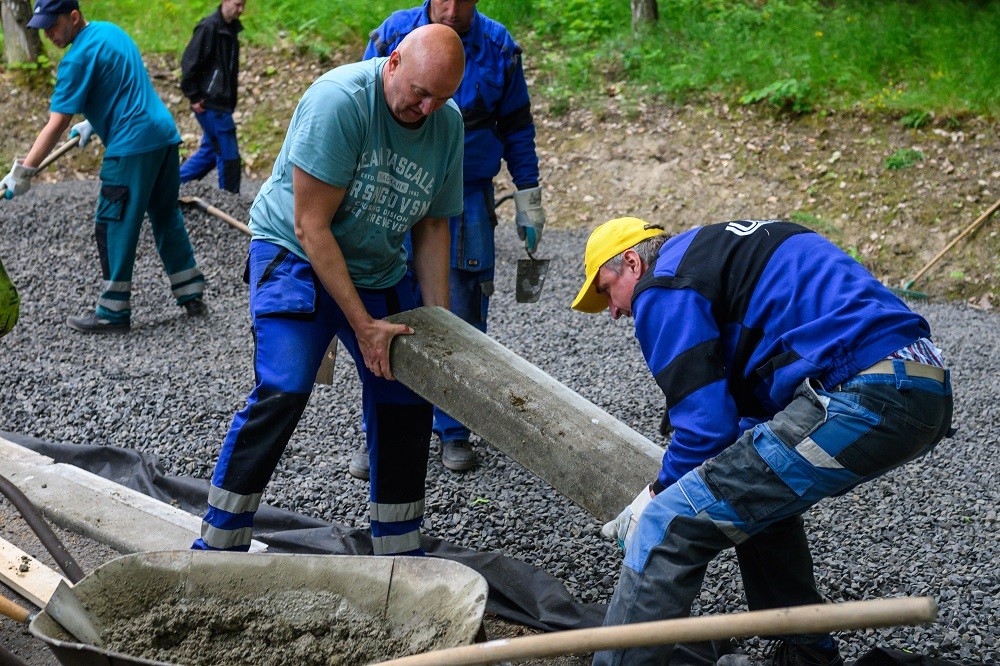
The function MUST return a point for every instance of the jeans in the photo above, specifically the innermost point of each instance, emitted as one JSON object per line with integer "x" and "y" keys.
{"x": 822, "y": 444}
{"x": 218, "y": 150}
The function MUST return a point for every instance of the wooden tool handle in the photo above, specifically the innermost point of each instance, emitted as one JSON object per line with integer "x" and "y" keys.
{"x": 14, "y": 611}
{"x": 60, "y": 151}
{"x": 798, "y": 620}
{"x": 52, "y": 157}
{"x": 217, "y": 212}
{"x": 968, "y": 230}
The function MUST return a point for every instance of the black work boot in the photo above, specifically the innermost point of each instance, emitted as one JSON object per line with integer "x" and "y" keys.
{"x": 196, "y": 307}
{"x": 93, "y": 324}
{"x": 801, "y": 654}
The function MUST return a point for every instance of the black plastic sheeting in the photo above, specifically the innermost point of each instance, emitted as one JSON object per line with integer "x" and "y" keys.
{"x": 518, "y": 591}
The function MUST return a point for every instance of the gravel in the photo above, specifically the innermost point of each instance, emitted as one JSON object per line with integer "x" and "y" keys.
{"x": 171, "y": 386}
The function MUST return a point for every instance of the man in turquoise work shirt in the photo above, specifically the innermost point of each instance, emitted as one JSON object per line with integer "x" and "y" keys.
{"x": 103, "y": 78}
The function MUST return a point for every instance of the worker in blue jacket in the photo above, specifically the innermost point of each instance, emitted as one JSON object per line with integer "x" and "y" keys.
{"x": 496, "y": 110}
{"x": 790, "y": 375}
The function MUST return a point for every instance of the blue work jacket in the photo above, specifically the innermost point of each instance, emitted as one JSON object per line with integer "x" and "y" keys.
{"x": 496, "y": 111}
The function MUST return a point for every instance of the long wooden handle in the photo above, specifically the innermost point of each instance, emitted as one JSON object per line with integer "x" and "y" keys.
{"x": 60, "y": 151}
{"x": 217, "y": 212}
{"x": 800, "y": 619}
{"x": 968, "y": 230}
{"x": 52, "y": 157}
{"x": 13, "y": 610}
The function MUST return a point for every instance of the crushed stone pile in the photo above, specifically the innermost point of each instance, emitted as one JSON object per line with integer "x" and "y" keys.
{"x": 171, "y": 386}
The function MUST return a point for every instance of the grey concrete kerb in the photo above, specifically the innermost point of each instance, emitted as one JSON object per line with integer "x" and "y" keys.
{"x": 87, "y": 504}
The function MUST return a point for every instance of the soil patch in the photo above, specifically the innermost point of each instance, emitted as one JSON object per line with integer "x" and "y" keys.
{"x": 680, "y": 166}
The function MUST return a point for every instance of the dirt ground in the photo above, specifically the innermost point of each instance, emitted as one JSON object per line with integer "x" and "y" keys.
{"x": 681, "y": 166}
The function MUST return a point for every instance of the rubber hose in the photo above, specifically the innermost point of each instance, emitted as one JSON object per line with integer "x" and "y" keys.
{"x": 41, "y": 528}
{"x": 8, "y": 657}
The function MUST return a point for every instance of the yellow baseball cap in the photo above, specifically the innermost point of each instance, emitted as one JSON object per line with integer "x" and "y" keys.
{"x": 605, "y": 242}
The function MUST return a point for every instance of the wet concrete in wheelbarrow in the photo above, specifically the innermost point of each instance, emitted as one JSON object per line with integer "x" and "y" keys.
{"x": 290, "y": 627}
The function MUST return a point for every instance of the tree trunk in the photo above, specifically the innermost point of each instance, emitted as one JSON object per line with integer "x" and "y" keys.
{"x": 20, "y": 44}
{"x": 644, "y": 12}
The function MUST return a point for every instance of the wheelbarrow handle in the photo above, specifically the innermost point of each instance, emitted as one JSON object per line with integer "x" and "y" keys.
{"x": 797, "y": 620}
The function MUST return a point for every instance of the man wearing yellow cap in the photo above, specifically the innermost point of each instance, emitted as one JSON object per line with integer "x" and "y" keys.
{"x": 790, "y": 375}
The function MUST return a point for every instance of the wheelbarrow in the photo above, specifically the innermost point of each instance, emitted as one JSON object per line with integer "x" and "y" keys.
{"x": 416, "y": 603}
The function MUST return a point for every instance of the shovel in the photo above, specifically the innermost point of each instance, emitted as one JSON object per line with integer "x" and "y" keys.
{"x": 65, "y": 608}
{"x": 530, "y": 278}
{"x": 52, "y": 157}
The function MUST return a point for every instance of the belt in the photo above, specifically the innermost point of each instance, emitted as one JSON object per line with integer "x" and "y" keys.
{"x": 913, "y": 369}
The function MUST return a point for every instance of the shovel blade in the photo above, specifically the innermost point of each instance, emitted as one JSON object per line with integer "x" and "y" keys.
{"x": 66, "y": 608}
{"x": 530, "y": 279}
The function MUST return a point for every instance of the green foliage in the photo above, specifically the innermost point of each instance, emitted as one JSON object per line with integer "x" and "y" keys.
{"x": 892, "y": 56}
{"x": 38, "y": 73}
{"x": 904, "y": 158}
{"x": 786, "y": 94}
{"x": 915, "y": 119}
{"x": 574, "y": 21}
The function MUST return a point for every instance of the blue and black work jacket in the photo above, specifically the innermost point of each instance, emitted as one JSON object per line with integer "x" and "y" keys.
{"x": 733, "y": 317}
{"x": 210, "y": 66}
{"x": 496, "y": 110}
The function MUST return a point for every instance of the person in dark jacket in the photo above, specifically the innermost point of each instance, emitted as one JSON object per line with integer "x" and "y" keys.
{"x": 496, "y": 110}
{"x": 790, "y": 375}
{"x": 210, "y": 70}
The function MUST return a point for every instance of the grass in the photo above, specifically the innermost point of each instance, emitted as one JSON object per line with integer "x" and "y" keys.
{"x": 897, "y": 57}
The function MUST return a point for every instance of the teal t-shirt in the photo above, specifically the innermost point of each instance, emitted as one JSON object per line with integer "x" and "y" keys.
{"x": 342, "y": 133}
{"x": 103, "y": 77}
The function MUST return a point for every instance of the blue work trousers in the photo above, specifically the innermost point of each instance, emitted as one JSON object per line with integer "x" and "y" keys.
{"x": 752, "y": 496}
{"x": 133, "y": 186}
{"x": 294, "y": 320}
{"x": 218, "y": 150}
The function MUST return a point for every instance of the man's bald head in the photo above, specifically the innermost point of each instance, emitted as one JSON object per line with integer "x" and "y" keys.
{"x": 423, "y": 72}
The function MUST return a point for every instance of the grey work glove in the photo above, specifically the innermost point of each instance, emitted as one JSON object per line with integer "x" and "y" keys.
{"x": 10, "y": 303}
{"x": 530, "y": 217}
{"x": 18, "y": 181}
{"x": 84, "y": 130}
{"x": 622, "y": 528}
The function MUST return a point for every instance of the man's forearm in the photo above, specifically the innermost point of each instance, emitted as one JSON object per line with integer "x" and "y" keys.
{"x": 47, "y": 139}
{"x": 431, "y": 248}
